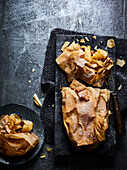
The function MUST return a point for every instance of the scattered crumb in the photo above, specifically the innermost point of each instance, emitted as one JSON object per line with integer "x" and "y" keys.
{"x": 33, "y": 70}
{"x": 82, "y": 40}
{"x": 30, "y": 61}
{"x": 42, "y": 98}
{"x": 109, "y": 112}
{"x": 48, "y": 149}
{"x": 37, "y": 100}
{"x": 29, "y": 81}
{"x": 86, "y": 38}
{"x": 119, "y": 62}
{"x": 95, "y": 48}
{"x": 53, "y": 105}
{"x": 105, "y": 48}
{"x": 110, "y": 43}
{"x": 77, "y": 40}
{"x": 119, "y": 88}
{"x": 65, "y": 45}
{"x": 42, "y": 155}
{"x": 94, "y": 37}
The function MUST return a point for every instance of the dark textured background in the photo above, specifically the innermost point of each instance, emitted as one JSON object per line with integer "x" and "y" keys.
{"x": 25, "y": 27}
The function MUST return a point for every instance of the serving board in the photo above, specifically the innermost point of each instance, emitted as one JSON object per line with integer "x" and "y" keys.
{"x": 61, "y": 141}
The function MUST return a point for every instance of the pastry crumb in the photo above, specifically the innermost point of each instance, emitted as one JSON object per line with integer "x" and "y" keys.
{"x": 53, "y": 105}
{"x": 119, "y": 62}
{"x": 37, "y": 100}
{"x": 29, "y": 81}
{"x": 66, "y": 44}
{"x": 33, "y": 70}
{"x": 48, "y": 149}
{"x": 119, "y": 88}
{"x": 94, "y": 37}
{"x": 110, "y": 43}
{"x": 82, "y": 40}
{"x": 87, "y": 39}
{"x": 109, "y": 112}
{"x": 105, "y": 48}
{"x": 42, "y": 155}
{"x": 95, "y": 48}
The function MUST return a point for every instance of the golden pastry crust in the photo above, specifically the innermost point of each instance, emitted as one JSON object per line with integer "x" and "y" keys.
{"x": 83, "y": 63}
{"x": 15, "y": 138}
{"x": 85, "y": 113}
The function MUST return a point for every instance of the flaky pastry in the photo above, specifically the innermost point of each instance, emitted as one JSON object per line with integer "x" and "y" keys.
{"x": 85, "y": 114}
{"x": 15, "y": 138}
{"x": 83, "y": 63}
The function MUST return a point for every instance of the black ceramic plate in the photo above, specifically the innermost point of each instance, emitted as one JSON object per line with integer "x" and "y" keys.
{"x": 38, "y": 130}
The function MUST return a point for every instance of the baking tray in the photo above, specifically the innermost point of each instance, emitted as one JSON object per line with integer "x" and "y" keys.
{"x": 61, "y": 141}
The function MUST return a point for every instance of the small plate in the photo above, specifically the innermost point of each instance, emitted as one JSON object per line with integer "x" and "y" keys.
{"x": 38, "y": 130}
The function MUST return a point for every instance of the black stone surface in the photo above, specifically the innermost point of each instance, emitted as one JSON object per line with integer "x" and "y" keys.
{"x": 25, "y": 28}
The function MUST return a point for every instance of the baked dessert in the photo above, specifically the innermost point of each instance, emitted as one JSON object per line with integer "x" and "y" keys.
{"x": 85, "y": 114}
{"x": 15, "y": 136}
{"x": 83, "y": 63}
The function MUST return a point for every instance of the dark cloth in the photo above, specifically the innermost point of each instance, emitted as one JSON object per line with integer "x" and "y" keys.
{"x": 48, "y": 81}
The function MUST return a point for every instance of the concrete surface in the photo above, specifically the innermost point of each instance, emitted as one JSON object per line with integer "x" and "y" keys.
{"x": 25, "y": 27}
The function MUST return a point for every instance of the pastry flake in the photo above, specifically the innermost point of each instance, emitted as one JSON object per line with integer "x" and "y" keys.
{"x": 110, "y": 43}
{"x": 83, "y": 63}
{"x": 120, "y": 62}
